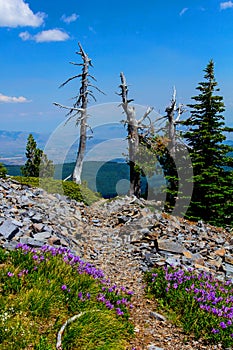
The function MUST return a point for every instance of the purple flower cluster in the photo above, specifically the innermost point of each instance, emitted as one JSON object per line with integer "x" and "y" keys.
{"x": 213, "y": 296}
{"x": 112, "y": 295}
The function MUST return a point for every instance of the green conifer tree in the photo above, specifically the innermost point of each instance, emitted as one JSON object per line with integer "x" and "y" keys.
{"x": 33, "y": 154}
{"x": 3, "y": 171}
{"x": 213, "y": 182}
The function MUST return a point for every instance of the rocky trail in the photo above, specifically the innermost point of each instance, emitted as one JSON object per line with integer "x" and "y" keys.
{"x": 124, "y": 238}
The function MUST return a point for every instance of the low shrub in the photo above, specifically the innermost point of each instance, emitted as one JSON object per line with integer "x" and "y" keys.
{"x": 80, "y": 193}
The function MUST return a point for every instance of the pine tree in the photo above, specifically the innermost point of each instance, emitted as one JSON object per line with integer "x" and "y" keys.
{"x": 3, "y": 171}
{"x": 213, "y": 182}
{"x": 33, "y": 155}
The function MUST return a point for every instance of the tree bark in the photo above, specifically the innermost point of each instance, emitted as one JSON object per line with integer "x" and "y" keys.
{"x": 133, "y": 139}
{"x": 83, "y": 98}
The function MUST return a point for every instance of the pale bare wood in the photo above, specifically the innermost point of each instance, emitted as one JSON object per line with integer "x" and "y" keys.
{"x": 79, "y": 109}
{"x": 133, "y": 127}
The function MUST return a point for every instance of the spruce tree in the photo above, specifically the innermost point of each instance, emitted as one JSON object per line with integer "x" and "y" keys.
{"x": 213, "y": 181}
{"x": 3, "y": 171}
{"x": 33, "y": 155}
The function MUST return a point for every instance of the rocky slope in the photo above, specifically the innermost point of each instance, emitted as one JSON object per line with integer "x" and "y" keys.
{"x": 124, "y": 238}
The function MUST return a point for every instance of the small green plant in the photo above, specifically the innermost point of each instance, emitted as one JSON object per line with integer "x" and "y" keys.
{"x": 40, "y": 289}
{"x": 80, "y": 193}
{"x": 200, "y": 302}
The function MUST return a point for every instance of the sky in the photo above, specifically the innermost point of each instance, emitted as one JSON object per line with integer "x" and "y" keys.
{"x": 157, "y": 44}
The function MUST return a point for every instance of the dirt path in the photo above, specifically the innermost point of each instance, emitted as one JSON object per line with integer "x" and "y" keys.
{"x": 123, "y": 269}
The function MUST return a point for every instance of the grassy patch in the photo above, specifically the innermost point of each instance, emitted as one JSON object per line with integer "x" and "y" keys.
{"x": 199, "y": 302}
{"x": 40, "y": 289}
{"x": 80, "y": 193}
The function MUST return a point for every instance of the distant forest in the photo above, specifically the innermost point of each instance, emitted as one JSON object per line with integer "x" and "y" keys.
{"x": 107, "y": 178}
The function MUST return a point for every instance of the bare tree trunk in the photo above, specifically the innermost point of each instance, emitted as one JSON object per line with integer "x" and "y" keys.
{"x": 83, "y": 98}
{"x": 80, "y": 109}
{"x": 171, "y": 127}
{"x": 133, "y": 137}
{"x": 81, "y": 150}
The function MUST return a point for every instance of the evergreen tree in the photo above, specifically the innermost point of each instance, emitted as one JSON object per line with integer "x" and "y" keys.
{"x": 213, "y": 182}
{"x": 3, "y": 171}
{"x": 34, "y": 155}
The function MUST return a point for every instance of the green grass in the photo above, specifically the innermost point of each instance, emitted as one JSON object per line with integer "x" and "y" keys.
{"x": 80, "y": 193}
{"x": 41, "y": 289}
{"x": 197, "y": 301}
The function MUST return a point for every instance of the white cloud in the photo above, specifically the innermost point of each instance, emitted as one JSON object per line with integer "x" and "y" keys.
{"x": 16, "y": 13}
{"x": 226, "y": 5}
{"x": 46, "y": 36}
{"x": 69, "y": 19}
{"x": 25, "y": 36}
{"x": 12, "y": 99}
{"x": 182, "y": 12}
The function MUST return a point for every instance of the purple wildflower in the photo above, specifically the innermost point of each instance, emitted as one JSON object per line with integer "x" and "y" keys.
{"x": 119, "y": 311}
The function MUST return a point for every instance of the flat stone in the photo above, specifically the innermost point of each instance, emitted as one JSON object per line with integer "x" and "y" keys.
{"x": 31, "y": 242}
{"x": 17, "y": 223}
{"x": 170, "y": 246}
{"x": 8, "y": 229}
{"x": 42, "y": 236}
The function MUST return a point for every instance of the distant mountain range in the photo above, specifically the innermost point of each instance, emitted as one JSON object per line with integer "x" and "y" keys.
{"x": 107, "y": 142}
{"x": 13, "y": 143}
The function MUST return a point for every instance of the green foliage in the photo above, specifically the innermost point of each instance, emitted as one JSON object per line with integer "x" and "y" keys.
{"x": 33, "y": 154}
{"x": 213, "y": 184}
{"x": 3, "y": 171}
{"x": 81, "y": 193}
{"x": 40, "y": 289}
{"x": 37, "y": 163}
{"x": 196, "y": 301}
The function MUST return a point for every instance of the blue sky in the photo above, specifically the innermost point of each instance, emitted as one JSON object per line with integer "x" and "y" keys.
{"x": 157, "y": 44}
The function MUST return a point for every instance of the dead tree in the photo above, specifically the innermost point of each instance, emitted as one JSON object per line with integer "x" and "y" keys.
{"x": 172, "y": 157}
{"x": 133, "y": 127}
{"x": 173, "y": 117}
{"x": 79, "y": 109}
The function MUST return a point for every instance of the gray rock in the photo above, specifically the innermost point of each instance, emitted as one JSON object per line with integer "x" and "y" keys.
{"x": 31, "y": 242}
{"x": 17, "y": 223}
{"x": 42, "y": 236}
{"x": 170, "y": 246}
{"x": 37, "y": 218}
{"x": 158, "y": 316}
{"x": 8, "y": 229}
